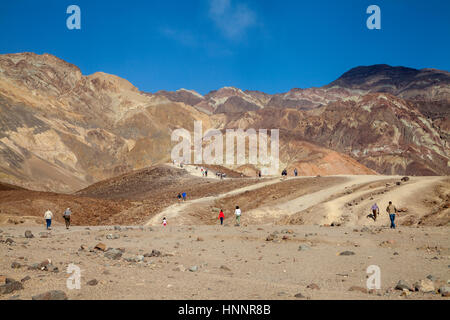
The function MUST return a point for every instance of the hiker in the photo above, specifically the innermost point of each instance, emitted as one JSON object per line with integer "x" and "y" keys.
{"x": 66, "y": 216}
{"x": 284, "y": 173}
{"x": 391, "y": 210}
{"x": 295, "y": 172}
{"x": 48, "y": 215}
{"x": 237, "y": 212}
{"x": 206, "y": 172}
{"x": 184, "y": 196}
{"x": 221, "y": 217}
{"x": 164, "y": 222}
{"x": 202, "y": 171}
{"x": 179, "y": 196}
{"x": 375, "y": 212}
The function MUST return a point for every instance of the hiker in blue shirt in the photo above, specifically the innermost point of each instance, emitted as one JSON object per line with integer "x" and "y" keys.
{"x": 184, "y": 196}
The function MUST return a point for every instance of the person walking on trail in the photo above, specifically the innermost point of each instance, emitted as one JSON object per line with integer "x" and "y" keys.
{"x": 375, "y": 212}
{"x": 164, "y": 222}
{"x": 295, "y": 172}
{"x": 238, "y": 213}
{"x": 48, "y": 216}
{"x": 221, "y": 217}
{"x": 184, "y": 196}
{"x": 391, "y": 210}
{"x": 66, "y": 216}
{"x": 206, "y": 172}
{"x": 179, "y": 197}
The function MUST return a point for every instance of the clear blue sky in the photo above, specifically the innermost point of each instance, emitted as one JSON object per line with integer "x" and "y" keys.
{"x": 267, "y": 45}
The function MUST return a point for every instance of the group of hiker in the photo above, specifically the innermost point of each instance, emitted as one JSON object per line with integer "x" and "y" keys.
{"x": 237, "y": 213}
{"x": 390, "y": 209}
{"x": 48, "y": 216}
{"x": 284, "y": 173}
{"x": 182, "y": 196}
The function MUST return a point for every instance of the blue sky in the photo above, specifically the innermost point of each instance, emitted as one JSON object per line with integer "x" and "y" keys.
{"x": 266, "y": 45}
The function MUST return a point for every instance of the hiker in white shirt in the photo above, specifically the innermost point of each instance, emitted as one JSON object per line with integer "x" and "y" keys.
{"x": 237, "y": 212}
{"x": 48, "y": 215}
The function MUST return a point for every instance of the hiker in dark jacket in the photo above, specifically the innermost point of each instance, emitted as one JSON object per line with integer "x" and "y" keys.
{"x": 66, "y": 217}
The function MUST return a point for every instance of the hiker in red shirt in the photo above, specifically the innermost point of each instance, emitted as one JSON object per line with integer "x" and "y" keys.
{"x": 221, "y": 217}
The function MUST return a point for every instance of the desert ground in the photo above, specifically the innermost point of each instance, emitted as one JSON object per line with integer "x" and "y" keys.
{"x": 299, "y": 238}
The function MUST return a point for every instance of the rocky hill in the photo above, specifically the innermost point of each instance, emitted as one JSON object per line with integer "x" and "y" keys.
{"x": 61, "y": 130}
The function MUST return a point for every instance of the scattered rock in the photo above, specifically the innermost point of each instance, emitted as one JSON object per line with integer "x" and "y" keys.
{"x": 405, "y": 179}
{"x": 113, "y": 254}
{"x": 445, "y": 291}
{"x": 2, "y": 280}
{"x": 431, "y": 277}
{"x": 299, "y": 296}
{"x": 425, "y": 286}
{"x": 44, "y": 234}
{"x": 154, "y": 253}
{"x": 193, "y": 269}
{"x": 225, "y": 268}
{"x": 405, "y": 293}
{"x": 200, "y": 239}
{"x": 15, "y": 265}
{"x": 313, "y": 286}
{"x": 29, "y": 234}
{"x": 347, "y": 253}
{"x": 10, "y": 286}
{"x": 9, "y": 241}
{"x": 25, "y": 279}
{"x": 303, "y": 247}
{"x": 92, "y": 282}
{"x": 402, "y": 285}
{"x": 117, "y": 228}
{"x": 51, "y": 295}
{"x": 100, "y": 246}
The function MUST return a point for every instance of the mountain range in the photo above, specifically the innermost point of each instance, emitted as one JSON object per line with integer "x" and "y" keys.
{"x": 62, "y": 131}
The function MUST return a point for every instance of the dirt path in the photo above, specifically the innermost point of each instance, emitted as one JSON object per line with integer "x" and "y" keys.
{"x": 402, "y": 196}
{"x": 174, "y": 210}
{"x": 309, "y": 200}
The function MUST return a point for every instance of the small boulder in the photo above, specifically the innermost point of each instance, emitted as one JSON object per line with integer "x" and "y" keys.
{"x": 15, "y": 265}
{"x": 424, "y": 286}
{"x": 402, "y": 285}
{"x": 29, "y": 234}
{"x": 347, "y": 253}
{"x": 313, "y": 286}
{"x": 51, "y": 295}
{"x": 193, "y": 269}
{"x": 225, "y": 268}
{"x": 445, "y": 291}
{"x": 303, "y": 247}
{"x": 113, "y": 254}
{"x": 92, "y": 282}
{"x": 100, "y": 246}
{"x": 10, "y": 286}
